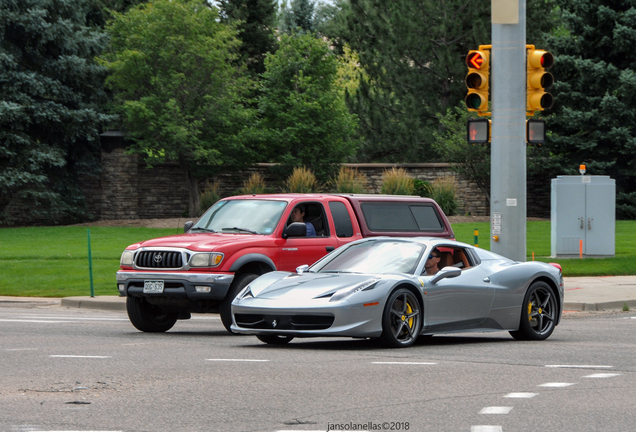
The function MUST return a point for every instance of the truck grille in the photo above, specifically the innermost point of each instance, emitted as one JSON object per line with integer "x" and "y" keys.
{"x": 159, "y": 259}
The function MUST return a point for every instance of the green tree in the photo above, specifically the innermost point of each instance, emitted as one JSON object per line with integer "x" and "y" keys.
{"x": 413, "y": 52}
{"x": 50, "y": 93}
{"x": 304, "y": 119}
{"x": 594, "y": 120}
{"x": 297, "y": 17}
{"x": 177, "y": 89}
{"x": 256, "y": 22}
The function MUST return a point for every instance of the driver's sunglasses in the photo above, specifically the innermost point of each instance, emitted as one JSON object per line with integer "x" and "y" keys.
{"x": 431, "y": 256}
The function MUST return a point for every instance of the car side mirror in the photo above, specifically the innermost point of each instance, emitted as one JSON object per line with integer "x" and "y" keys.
{"x": 187, "y": 226}
{"x": 302, "y": 269}
{"x": 446, "y": 272}
{"x": 295, "y": 229}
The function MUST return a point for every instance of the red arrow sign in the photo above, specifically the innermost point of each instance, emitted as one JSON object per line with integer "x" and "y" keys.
{"x": 475, "y": 60}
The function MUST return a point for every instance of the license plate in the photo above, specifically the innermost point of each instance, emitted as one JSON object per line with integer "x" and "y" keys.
{"x": 153, "y": 287}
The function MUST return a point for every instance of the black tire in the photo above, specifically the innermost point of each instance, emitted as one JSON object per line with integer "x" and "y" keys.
{"x": 149, "y": 318}
{"x": 538, "y": 313}
{"x": 275, "y": 339}
{"x": 402, "y": 319}
{"x": 225, "y": 309}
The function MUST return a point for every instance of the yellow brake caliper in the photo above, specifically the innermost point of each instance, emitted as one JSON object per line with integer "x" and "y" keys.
{"x": 530, "y": 311}
{"x": 408, "y": 311}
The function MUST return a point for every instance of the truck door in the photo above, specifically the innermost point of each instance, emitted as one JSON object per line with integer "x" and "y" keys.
{"x": 296, "y": 251}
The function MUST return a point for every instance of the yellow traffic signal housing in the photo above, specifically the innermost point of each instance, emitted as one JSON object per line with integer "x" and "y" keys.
{"x": 538, "y": 80}
{"x": 478, "y": 62}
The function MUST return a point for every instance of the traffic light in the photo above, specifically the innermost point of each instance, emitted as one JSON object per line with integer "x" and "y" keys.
{"x": 478, "y": 131}
{"x": 535, "y": 131}
{"x": 539, "y": 80}
{"x": 478, "y": 62}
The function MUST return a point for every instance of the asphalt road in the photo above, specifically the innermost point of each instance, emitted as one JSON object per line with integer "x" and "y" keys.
{"x": 87, "y": 370}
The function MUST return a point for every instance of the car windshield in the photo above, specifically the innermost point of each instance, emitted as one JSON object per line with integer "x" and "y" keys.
{"x": 378, "y": 257}
{"x": 241, "y": 217}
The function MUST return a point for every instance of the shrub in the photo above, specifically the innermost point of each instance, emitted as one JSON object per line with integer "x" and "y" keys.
{"x": 444, "y": 192}
{"x": 254, "y": 185}
{"x": 209, "y": 196}
{"x": 422, "y": 188}
{"x": 397, "y": 182}
{"x": 350, "y": 180}
{"x": 301, "y": 180}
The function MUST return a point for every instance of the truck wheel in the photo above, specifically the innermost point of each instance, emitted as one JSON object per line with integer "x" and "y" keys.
{"x": 238, "y": 284}
{"x": 149, "y": 318}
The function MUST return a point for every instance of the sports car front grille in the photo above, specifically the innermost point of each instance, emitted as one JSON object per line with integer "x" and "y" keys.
{"x": 159, "y": 259}
{"x": 284, "y": 322}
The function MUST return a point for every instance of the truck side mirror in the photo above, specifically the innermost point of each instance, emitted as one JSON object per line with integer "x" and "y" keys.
{"x": 187, "y": 226}
{"x": 446, "y": 272}
{"x": 295, "y": 229}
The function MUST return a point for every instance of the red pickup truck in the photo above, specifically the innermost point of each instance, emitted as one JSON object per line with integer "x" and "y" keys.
{"x": 242, "y": 237}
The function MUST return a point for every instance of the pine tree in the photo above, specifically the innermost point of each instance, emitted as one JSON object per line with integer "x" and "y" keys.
{"x": 256, "y": 29}
{"x": 594, "y": 120}
{"x": 298, "y": 17}
{"x": 50, "y": 92}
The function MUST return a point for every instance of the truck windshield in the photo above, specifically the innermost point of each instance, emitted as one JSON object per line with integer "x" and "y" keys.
{"x": 242, "y": 216}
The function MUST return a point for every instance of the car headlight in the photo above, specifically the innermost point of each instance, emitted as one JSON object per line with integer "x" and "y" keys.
{"x": 206, "y": 259}
{"x": 126, "y": 258}
{"x": 346, "y": 292}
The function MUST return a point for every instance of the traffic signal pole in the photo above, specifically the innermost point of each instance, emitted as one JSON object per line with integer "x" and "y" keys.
{"x": 508, "y": 141}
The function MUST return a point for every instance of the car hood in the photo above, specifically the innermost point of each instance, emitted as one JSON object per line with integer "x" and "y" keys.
{"x": 288, "y": 286}
{"x": 201, "y": 241}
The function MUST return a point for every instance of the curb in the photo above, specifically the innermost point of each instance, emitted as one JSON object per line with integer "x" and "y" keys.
{"x": 603, "y": 306}
{"x": 113, "y": 303}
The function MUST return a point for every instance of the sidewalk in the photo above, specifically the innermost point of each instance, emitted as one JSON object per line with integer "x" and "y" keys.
{"x": 581, "y": 294}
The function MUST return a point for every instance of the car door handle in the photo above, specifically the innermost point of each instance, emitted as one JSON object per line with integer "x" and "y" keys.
{"x": 487, "y": 279}
{"x": 330, "y": 248}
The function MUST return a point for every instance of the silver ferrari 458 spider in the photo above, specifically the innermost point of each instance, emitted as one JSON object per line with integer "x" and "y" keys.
{"x": 379, "y": 288}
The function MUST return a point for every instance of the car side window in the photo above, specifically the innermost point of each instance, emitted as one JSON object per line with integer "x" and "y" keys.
{"x": 456, "y": 257}
{"x": 315, "y": 215}
{"x": 341, "y": 219}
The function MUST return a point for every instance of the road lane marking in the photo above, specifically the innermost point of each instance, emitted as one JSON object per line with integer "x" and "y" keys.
{"x": 20, "y": 349}
{"x": 404, "y": 363}
{"x": 33, "y": 321}
{"x": 74, "y": 318}
{"x": 237, "y": 360}
{"x": 496, "y": 410}
{"x": 486, "y": 428}
{"x": 79, "y": 356}
{"x": 556, "y": 384}
{"x": 521, "y": 395}
{"x": 579, "y": 366}
{"x": 602, "y": 375}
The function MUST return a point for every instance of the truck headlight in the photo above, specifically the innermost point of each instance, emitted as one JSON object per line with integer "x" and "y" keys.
{"x": 206, "y": 259}
{"x": 126, "y": 258}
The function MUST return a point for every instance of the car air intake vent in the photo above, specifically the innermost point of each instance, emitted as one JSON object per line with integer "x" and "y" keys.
{"x": 159, "y": 259}
{"x": 284, "y": 322}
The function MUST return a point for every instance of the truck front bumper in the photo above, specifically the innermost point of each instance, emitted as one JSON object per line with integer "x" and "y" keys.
{"x": 192, "y": 286}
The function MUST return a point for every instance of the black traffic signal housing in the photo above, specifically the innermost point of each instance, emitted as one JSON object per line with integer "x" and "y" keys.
{"x": 535, "y": 131}
{"x": 477, "y": 80}
{"x": 538, "y": 80}
{"x": 479, "y": 131}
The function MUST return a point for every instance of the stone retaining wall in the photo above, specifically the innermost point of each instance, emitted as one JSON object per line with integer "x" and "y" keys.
{"x": 128, "y": 189}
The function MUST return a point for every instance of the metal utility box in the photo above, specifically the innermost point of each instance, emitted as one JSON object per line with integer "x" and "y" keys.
{"x": 583, "y": 209}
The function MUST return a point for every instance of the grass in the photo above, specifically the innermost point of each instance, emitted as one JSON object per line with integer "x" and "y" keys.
{"x": 53, "y": 261}
{"x": 538, "y": 241}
